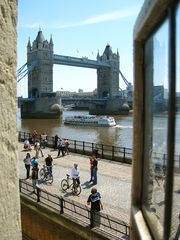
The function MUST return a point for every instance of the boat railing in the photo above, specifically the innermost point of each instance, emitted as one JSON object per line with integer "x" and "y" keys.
{"x": 113, "y": 153}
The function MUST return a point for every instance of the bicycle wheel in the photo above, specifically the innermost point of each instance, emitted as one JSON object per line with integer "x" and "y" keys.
{"x": 42, "y": 174}
{"x": 49, "y": 178}
{"x": 64, "y": 184}
{"x": 76, "y": 190}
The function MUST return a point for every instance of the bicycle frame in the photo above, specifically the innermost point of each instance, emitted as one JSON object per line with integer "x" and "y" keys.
{"x": 65, "y": 185}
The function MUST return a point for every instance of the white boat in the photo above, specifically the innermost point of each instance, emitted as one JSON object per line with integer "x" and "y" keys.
{"x": 90, "y": 120}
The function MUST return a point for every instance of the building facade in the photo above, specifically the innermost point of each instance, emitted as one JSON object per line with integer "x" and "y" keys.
{"x": 10, "y": 223}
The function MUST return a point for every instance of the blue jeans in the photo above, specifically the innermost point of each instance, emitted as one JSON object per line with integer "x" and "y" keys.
{"x": 49, "y": 168}
{"x": 95, "y": 176}
{"x": 27, "y": 166}
{"x": 91, "y": 179}
{"x": 40, "y": 150}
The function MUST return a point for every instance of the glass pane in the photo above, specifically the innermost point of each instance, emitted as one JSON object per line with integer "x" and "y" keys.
{"x": 175, "y": 221}
{"x": 156, "y": 126}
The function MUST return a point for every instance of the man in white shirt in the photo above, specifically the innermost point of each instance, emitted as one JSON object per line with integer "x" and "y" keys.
{"x": 75, "y": 175}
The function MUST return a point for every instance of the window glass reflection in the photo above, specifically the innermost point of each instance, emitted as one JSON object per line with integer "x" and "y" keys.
{"x": 175, "y": 221}
{"x": 156, "y": 126}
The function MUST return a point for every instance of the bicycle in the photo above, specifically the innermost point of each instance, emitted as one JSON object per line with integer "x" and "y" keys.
{"x": 65, "y": 185}
{"x": 45, "y": 175}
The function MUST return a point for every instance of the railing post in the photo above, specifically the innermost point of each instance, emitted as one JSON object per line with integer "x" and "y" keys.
{"x": 75, "y": 146}
{"x": 83, "y": 147}
{"x": 102, "y": 149}
{"x": 164, "y": 159}
{"x": 91, "y": 219}
{"x": 61, "y": 206}
{"x": 19, "y": 136}
{"x": 24, "y": 135}
{"x": 51, "y": 142}
{"x": 20, "y": 186}
{"x": 112, "y": 152}
{"x": 38, "y": 194}
{"x": 124, "y": 154}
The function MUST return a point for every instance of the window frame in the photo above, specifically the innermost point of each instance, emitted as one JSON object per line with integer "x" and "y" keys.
{"x": 151, "y": 17}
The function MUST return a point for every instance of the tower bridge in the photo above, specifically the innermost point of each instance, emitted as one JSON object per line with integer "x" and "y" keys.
{"x": 40, "y": 61}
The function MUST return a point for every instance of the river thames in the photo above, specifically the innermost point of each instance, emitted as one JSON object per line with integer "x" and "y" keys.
{"x": 121, "y": 135}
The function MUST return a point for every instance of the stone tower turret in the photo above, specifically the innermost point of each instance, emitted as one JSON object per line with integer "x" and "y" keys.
{"x": 108, "y": 78}
{"x": 40, "y": 55}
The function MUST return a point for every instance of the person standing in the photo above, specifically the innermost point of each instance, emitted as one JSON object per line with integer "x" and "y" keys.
{"x": 94, "y": 170}
{"x": 91, "y": 168}
{"x": 37, "y": 148}
{"x": 43, "y": 139}
{"x": 48, "y": 162}
{"x": 56, "y": 138}
{"x": 34, "y": 162}
{"x": 34, "y": 176}
{"x": 27, "y": 161}
{"x": 75, "y": 175}
{"x": 94, "y": 200}
{"x": 61, "y": 147}
{"x": 66, "y": 143}
{"x": 34, "y": 136}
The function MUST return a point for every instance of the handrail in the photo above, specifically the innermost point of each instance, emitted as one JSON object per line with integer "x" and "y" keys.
{"x": 77, "y": 211}
{"x": 113, "y": 153}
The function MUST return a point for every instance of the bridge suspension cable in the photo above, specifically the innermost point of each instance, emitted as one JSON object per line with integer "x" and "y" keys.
{"x": 125, "y": 80}
{"x": 25, "y": 69}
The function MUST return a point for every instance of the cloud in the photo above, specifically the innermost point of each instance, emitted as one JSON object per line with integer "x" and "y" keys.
{"x": 112, "y": 16}
{"x": 33, "y": 25}
{"x": 107, "y": 17}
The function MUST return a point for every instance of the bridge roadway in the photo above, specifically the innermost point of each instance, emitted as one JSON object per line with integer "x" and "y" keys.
{"x": 114, "y": 180}
{"x": 79, "y": 62}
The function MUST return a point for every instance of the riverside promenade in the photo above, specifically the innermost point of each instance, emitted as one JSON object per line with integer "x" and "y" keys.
{"x": 113, "y": 180}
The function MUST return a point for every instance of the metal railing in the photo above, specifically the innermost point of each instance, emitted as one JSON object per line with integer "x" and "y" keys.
{"x": 114, "y": 227}
{"x": 114, "y": 153}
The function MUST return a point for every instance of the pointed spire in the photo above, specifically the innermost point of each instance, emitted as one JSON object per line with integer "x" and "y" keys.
{"x": 108, "y": 51}
{"x": 40, "y": 38}
{"x": 98, "y": 56}
{"x": 117, "y": 52}
{"x": 51, "y": 41}
{"x": 29, "y": 43}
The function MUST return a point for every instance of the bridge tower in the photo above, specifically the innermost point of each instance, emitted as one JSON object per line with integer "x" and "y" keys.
{"x": 108, "y": 78}
{"x": 40, "y": 55}
{"x": 110, "y": 102}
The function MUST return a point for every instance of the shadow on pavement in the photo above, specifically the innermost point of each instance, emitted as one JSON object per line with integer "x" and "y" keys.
{"x": 86, "y": 185}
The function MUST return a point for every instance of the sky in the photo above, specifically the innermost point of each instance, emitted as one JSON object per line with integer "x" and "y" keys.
{"x": 79, "y": 28}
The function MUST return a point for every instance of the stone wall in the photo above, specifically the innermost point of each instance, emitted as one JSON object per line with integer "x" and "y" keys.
{"x": 10, "y": 226}
{"x": 40, "y": 223}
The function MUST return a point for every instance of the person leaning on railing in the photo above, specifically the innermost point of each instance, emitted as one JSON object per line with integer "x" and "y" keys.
{"x": 96, "y": 206}
{"x": 34, "y": 176}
